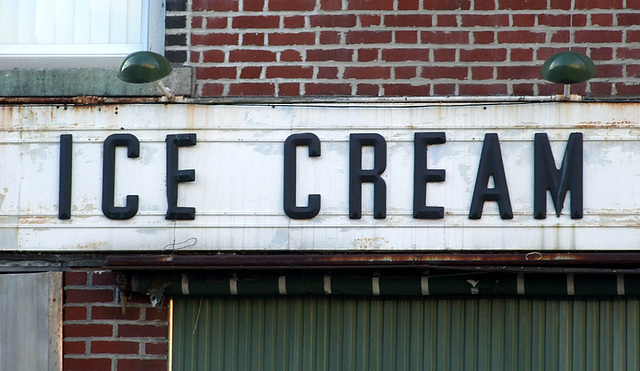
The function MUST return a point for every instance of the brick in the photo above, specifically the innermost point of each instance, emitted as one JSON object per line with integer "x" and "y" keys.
{"x": 447, "y": 5}
{"x": 289, "y": 89}
{"x": 433, "y": 73}
{"x": 403, "y": 73}
{"x": 484, "y": 5}
{"x": 74, "y": 313}
{"x": 524, "y": 20}
{"x": 521, "y": 55}
{"x": 369, "y": 20}
{"x": 484, "y": 37}
{"x": 253, "y": 38}
{"x": 554, "y": 20}
{"x": 598, "y": 36}
{"x": 322, "y": 55}
{"x": 444, "y": 55}
{"x": 114, "y": 313}
{"x": 171, "y": 22}
{"x": 300, "y": 38}
{"x": 212, "y": 90}
{"x": 601, "y": 54}
{"x": 327, "y": 72}
{"x": 628, "y": 19}
{"x": 332, "y": 20}
{"x": 290, "y": 72}
{"x": 88, "y": 296}
{"x": 409, "y": 5}
{"x": 142, "y": 364}
{"x": 369, "y": 37}
{"x": 173, "y": 40}
{"x": 213, "y": 56}
{"x": 523, "y": 89}
{"x": 633, "y": 36}
{"x": 176, "y": 56}
{"x": 87, "y": 330}
{"x": 370, "y": 5}
{"x": 518, "y": 72}
{"x": 481, "y": 73}
{"x": 104, "y": 278}
{"x": 198, "y": 22}
{"x": 406, "y": 37}
{"x": 216, "y": 5}
{"x": 291, "y": 5}
{"x": 176, "y": 5}
{"x": 320, "y": 89}
{"x": 367, "y": 90}
{"x": 330, "y": 37}
{"x": 115, "y": 347}
{"x": 157, "y": 314}
{"x": 250, "y": 72}
{"x": 90, "y": 364}
{"x": 215, "y": 39}
{"x": 442, "y": 37}
{"x": 293, "y": 21}
{"x": 216, "y": 22}
{"x": 609, "y": 71}
{"x": 406, "y": 89}
{"x": 560, "y": 4}
{"x": 125, "y": 330}
{"x": 75, "y": 278}
{"x": 633, "y": 70}
{"x": 367, "y": 55}
{"x": 214, "y": 73}
{"x": 252, "y": 55}
{"x": 156, "y": 348}
{"x": 563, "y": 36}
{"x": 446, "y": 20}
{"x": 633, "y": 4}
{"x": 74, "y": 347}
{"x": 478, "y": 89}
{"x": 522, "y": 4}
{"x": 401, "y": 55}
{"x": 444, "y": 89}
{"x": 481, "y": 20}
{"x": 331, "y": 4}
{"x": 253, "y": 5}
{"x": 408, "y": 20}
{"x": 483, "y": 55}
{"x": 248, "y": 21}
{"x": 521, "y": 37}
{"x": 602, "y": 20}
{"x": 599, "y": 4}
{"x": 364, "y": 73}
{"x": 252, "y": 89}
{"x": 601, "y": 88}
{"x": 628, "y": 53}
{"x": 627, "y": 89}
{"x": 194, "y": 56}
{"x": 290, "y": 55}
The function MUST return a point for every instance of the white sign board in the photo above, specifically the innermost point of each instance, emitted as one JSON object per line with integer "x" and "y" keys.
{"x": 227, "y": 178}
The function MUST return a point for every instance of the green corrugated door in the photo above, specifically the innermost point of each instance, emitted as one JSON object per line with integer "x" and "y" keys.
{"x": 368, "y": 333}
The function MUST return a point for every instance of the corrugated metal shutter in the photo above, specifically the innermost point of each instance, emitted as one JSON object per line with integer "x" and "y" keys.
{"x": 366, "y": 333}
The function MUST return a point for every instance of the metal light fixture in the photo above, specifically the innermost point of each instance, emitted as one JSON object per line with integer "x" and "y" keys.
{"x": 145, "y": 67}
{"x": 568, "y": 67}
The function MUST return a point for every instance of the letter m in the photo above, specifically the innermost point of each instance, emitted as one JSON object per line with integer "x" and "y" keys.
{"x": 557, "y": 181}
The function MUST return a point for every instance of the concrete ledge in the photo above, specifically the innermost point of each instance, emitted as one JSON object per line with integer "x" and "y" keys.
{"x": 71, "y": 82}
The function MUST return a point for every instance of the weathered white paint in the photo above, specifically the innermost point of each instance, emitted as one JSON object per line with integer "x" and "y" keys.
{"x": 239, "y": 178}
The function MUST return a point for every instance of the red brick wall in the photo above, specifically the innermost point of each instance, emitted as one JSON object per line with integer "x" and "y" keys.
{"x": 404, "y": 47}
{"x": 97, "y": 336}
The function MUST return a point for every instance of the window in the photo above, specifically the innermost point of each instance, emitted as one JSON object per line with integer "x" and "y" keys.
{"x": 78, "y": 33}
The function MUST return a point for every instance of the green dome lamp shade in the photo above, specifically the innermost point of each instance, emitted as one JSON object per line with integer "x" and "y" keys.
{"x": 568, "y": 67}
{"x": 144, "y": 67}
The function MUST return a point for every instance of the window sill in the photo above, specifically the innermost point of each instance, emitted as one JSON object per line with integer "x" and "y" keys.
{"x": 102, "y": 82}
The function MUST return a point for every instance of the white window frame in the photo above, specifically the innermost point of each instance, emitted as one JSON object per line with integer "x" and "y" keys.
{"x": 88, "y": 55}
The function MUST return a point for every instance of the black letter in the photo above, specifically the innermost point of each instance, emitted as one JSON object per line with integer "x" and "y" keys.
{"x": 557, "y": 181}
{"x": 64, "y": 187}
{"x": 294, "y": 212}
{"x": 108, "y": 176}
{"x": 357, "y": 175}
{"x": 422, "y": 175}
{"x": 175, "y": 176}
{"x": 491, "y": 166}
